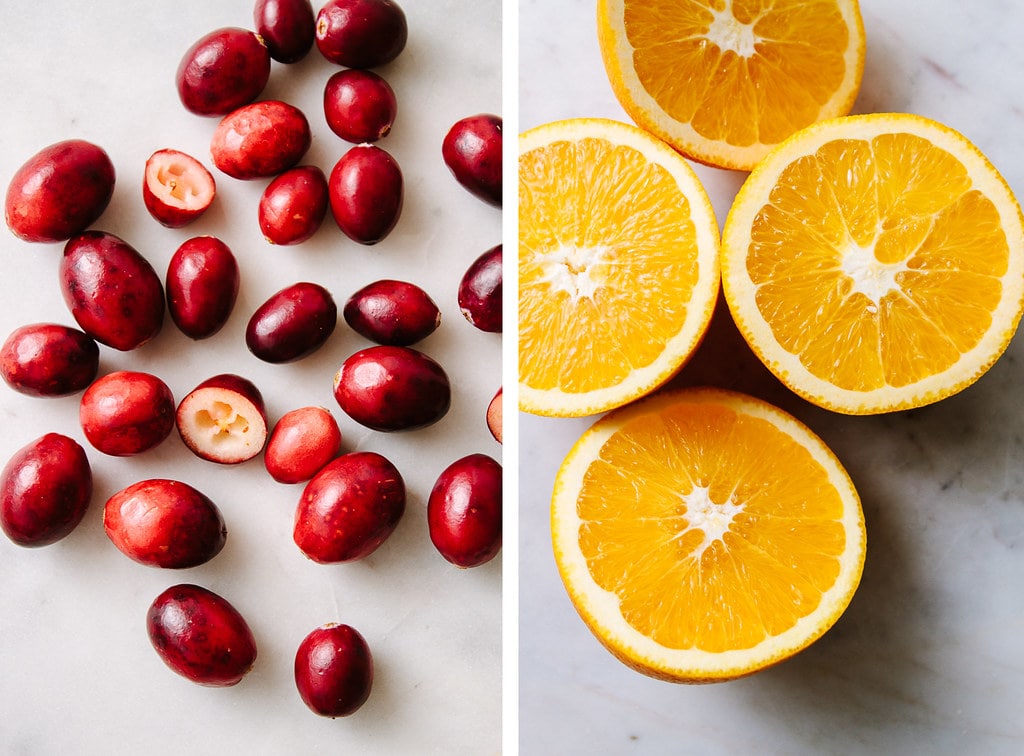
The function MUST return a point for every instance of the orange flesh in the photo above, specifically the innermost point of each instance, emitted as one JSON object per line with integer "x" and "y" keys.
{"x": 708, "y": 542}
{"x": 769, "y": 74}
{"x": 876, "y": 262}
{"x": 614, "y": 266}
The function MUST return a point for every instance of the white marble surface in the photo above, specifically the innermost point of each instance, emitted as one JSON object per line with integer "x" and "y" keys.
{"x": 929, "y": 657}
{"x": 77, "y": 673}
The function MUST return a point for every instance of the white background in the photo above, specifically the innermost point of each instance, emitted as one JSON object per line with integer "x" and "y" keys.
{"x": 928, "y": 657}
{"x": 77, "y": 673}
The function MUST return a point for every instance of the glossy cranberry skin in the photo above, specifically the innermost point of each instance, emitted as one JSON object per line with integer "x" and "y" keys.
{"x": 361, "y": 33}
{"x": 366, "y": 192}
{"x": 221, "y": 71}
{"x": 464, "y": 511}
{"x": 397, "y": 313}
{"x": 199, "y": 635}
{"x": 59, "y": 192}
{"x": 202, "y": 286}
{"x": 303, "y": 441}
{"x": 334, "y": 670}
{"x": 164, "y": 523}
{"x": 45, "y": 489}
{"x": 292, "y": 324}
{"x": 472, "y": 151}
{"x": 127, "y": 412}
{"x": 480, "y": 291}
{"x": 49, "y": 359}
{"x": 260, "y": 140}
{"x": 294, "y": 205}
{"x": 286, "y": 26}
{"x": 111, "y": 290}
{"x": 349, "y": 508}
{"x": 392, "y": 388}
{"x": 359, "y": 106}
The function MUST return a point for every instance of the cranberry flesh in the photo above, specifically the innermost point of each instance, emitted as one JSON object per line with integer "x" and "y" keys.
{"x": 472, "y": 151}
{"x": 126, "y": 412}
{"x": 303, "y": 441}
{"x": 59, "y": 192}
{"x": 292, "y": 324}
{"x": 201, "y": 636}
{"x": 361, "y": 33}
{"x": 48, "y": 359}
{"x": 287, "y": 27}
{"x": 334, "y": 670}
{"x": 223, "y": 70}
{"x": 164, "y": 523}
{"x": 480, "y": 291}
{"x": 360, "y": 106}
{"x": 176, "y": 188}
{"x": 223, "y": 420}
{"x": 294, "y": 205}
{"x": 494, "y": 412}
{"x": 366, "y": 193}
{"x": 112, "y": 291}
{"x": 392, "y": 312}
{"x": 45, "y": 489}
{"x": 349, "y": 508}
{"x": 392, "y": 388}
{"x": 464, "y": 511}
{"x": 260, "y": 140}
{"x": 202, "y": 286}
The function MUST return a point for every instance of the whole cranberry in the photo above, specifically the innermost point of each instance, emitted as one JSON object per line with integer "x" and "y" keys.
{"x": 472, "y": 152}
{"x": 127, "y": 412}
{"x": 361, "y": 33}
{"x": 359, "y": 106}
{"x": 334, "y": 670}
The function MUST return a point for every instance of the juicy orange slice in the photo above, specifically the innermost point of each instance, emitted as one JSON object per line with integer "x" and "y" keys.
{"x": 723, "y": 81}
{"x": 875, "y": 263}
{"x": 703, "y": 535}
{"x": 618, "y": 265}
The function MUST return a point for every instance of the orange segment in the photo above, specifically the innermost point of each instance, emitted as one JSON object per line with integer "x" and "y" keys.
{"x": 875, "y": 263}
{"x": 704, "y": 535}
{"x": 725, "y": 80}
{"x": 618, "y": 266}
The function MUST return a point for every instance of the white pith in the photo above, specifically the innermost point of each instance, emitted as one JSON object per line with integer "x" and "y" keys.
{"x": 574, "y": 270}
{"x": 711, "y": 518}
{"x": 729, "y": 33}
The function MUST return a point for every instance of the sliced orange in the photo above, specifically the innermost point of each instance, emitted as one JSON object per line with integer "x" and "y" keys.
{"x": 875, "y": 263}
{"x": 704, "y": 535}
{"x": 618, "y": 265}
{"x": 724, "y": 81}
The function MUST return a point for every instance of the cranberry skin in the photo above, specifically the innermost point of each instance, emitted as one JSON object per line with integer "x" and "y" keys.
{"x": 260, "y": 140}
{"x": 359, "y": 106}
{"x": 464, "y": 511}
{"x": 126, "y": 413}
{"x": 303, "y": 441}
{"x": 366, "y": 193}
{"x": 59, "y": 192}
{"x": 334, "y": 670}
{"x": 201, "y": 636}
{"x": 494, "y": 412}
{"x": 222, "y": 70}
{"x": 349, "y": 508}
{"x": 392, "y": 388}
{"x": 164, "y": 523}
{"x": 48, "y": 359}
{"x": 294, "y": 205}
{"x": 287, "y": 28}
{"x": 202, "y": 286}
{"x": 391, "y": 312}
{"x": 112, "y": 291}
{"x": 472, "y": 152}
{"x": 480, "y": 291}
{"x": 361, "y": 33}
{"x": 292, "y": 324}
{"x": 45, "y": 490}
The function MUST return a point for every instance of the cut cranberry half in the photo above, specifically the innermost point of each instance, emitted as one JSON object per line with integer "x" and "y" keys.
{"x": 223, "y": 420}
{"x": 177, "y": 188}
